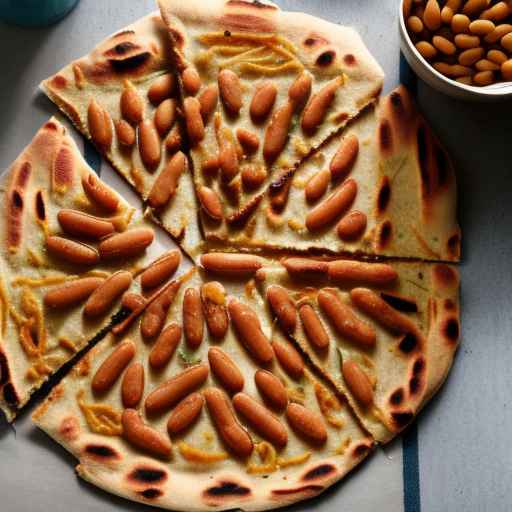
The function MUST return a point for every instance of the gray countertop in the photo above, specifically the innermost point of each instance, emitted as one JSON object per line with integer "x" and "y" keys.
{"x": 461, "y": 442}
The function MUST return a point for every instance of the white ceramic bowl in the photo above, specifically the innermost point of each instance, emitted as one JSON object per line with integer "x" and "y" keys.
{"x": 495, "y": 92}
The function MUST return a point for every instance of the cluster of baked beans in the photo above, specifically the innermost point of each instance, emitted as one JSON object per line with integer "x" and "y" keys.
{"x": 468, "y": 41}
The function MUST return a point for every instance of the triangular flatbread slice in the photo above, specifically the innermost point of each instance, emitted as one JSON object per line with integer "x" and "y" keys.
{"x": 123, "y": 96}
{"x": 255, "y": 429}
{"x": 384, "y": 334}
{"x": 70, "y": 247}
{"x": 384, "y": 186}
{"x": 262, "y": 88}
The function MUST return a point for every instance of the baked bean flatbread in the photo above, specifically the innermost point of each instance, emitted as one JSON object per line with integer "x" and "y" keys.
{"x": 384, "y": 186}
{"x": 252, "y": 381}
{"x": 262, "y": 88}
{"x": 71, "y": 247}
{"x": 123, "y": 96}
{"x": 208, "y": 411}
{"x": 384, "y": 334}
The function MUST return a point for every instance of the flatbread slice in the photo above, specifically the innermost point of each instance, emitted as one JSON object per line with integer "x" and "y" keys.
{"x": 123, "y": 96}
{"x": 262, "y": 88}
{"x": 384, "y": 187}
{"x": 384, "y": 334}
{"x": 65, "y": 235}
{"x": 239, "y": 465}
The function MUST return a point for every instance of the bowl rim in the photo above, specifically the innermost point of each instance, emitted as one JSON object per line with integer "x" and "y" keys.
{"x": 469, "y": 89}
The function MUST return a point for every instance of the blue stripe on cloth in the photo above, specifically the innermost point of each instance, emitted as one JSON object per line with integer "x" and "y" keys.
{"x": 411, "y": 470}
{"x": 92, "y": 157}
{"x": 407, "y": 76}
{"x": 410, "y": 457}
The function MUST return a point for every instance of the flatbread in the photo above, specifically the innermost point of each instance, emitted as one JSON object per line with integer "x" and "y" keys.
{"x": 411, "y": 353}
{"x": 405, "y": 198}
{"x": 235, "y": 49}
{"x": 36, "y": 339}
{"x": 202, "y": 472}
{"x": 135, "y": 59}
{"x": 389, "y": 310}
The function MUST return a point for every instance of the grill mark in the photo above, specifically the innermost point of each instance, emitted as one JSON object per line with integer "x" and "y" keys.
{"x": 319, "y": 471}
{"x": 101, "y": 450}
{"x": 408, "y": 343}
{"x": 130, "y": 63}
{"x": 228, "y": 489}
{"x": 147, "y": 475}
{"x": 400, "y": 303}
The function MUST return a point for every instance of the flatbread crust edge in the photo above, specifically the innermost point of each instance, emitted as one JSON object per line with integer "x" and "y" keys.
{"x": 111, "y": 464}
{"x": 442, "y": 341}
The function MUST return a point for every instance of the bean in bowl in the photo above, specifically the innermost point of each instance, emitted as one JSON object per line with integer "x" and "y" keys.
{"x": 467, "y": 41}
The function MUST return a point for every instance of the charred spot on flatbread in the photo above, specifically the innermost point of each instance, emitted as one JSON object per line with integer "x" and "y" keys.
{"x": 360, "y": 450}
{"x": 402, "y": 418}
{"x": 305, "y": 489}
{"x": 444, "y": 275}
{"x": 4, "y": 369}
{"x": 349, "y": 59}
{"x": 450, "y": 329}
{"x": 39, "y": 206}
{"x": 453, "y": 245}
{"x": 151, "y": 493}
{"x": 101, "y": 452}
{"x": 417, "y": 380}
{"x": 69, "y": 428}
{"x": 384, "y": 234}
{"x": 10, "y": 396}
{"x": 385, "y": 137}
{"x": 404, "y": 304}
{"x": 321, "y": 471}
{"x": 408, "y": 343}
{"x": 227, "y": 488}
{"x": 384, "y": 195}
{"x": 326, "y": 58}
{"x": 147, "y": 475}
{"x": 397, "y": 397}
{"x": 253, "y": 3}
{"x": 63, "y": 169}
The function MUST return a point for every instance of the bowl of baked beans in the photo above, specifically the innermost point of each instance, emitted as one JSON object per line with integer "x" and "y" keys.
{"x": 460, "y": 47}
